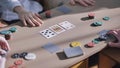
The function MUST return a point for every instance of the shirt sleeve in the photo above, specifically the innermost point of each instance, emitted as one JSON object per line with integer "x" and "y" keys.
{"x": 10, "y": 4}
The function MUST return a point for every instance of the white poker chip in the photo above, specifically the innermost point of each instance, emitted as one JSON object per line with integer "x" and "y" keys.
{"x": 30, "y": 56}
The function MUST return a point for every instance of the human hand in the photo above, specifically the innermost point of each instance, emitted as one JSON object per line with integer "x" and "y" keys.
{"x": 4, "y": 47}
{"x": 4, "y": 44}
{"x": 28, "y": 18}
{"x": 115, "y": 33}
{"x": 2, "y": 62}
{"x": 83, "y": 2}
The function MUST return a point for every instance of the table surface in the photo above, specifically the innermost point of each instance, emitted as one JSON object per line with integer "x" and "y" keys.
{"x": 28, "y": 39}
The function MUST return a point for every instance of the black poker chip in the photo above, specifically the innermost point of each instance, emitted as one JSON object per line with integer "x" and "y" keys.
{"x": 22, "y": 55}
{"x": 16, "y": 55}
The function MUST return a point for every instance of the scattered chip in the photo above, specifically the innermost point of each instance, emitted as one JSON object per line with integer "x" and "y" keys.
{"x": 8, "y": 36}
{"x": 13, "y": 29}
{"x": 5, "y": 32}
{"x": 106, "y": 18}
{"x": 18, "y": 62}
{"x": 96, "y": 41}
{"x": 90, "y": 44}
{"x": 22, "y": 55}
{"x": 91, "y": 15}
{"x": 16, "y": 55}
{"x": 13, "y": 66}
{"x": 74, "y": 44}
{"x": 48, "y": 14}
{"x": 97, "y": 24}
{"x": 30, "y": 56}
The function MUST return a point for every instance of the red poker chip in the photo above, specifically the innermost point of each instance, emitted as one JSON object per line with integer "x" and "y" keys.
{"x": 18, "y": 62}
{"x": 13, "y": 66}
{"x": 91, "y": 14}
{"x": 91, "y": 44}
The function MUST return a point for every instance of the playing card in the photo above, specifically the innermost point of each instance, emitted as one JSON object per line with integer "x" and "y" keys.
{"x": 57, "y": 29}
{"x": 47, "y": 33}
{"x": 73, "y": 51}
{"x": 64, "y": 9}
{"x": 50, "y": 47}
{"x": 67, "y": 25}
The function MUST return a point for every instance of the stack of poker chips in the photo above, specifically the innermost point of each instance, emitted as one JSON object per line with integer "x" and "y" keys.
{"x": 7, "y": 33}
{"x": 48, "y": 14}
{"x": 91, "y": 15}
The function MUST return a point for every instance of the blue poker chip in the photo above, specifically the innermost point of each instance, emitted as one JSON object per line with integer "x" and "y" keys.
{"x": 5, "y": 32}
{"x": 13, "y": 29}
{"x": 106, "y": 18}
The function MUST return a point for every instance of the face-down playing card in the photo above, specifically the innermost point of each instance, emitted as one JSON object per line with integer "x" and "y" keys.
{"x": 57, "y": 29}
{"x": 67, "y": 25}
{"x": 50, "y": 47}
{"x": 47, "y": 33}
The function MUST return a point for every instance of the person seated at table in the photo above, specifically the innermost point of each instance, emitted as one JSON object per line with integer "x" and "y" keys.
{"x": 116, "y": 34}
{"x": 27, "y": 10}
{"x": 4, "y": 47}
{"x": 55, "y": 3}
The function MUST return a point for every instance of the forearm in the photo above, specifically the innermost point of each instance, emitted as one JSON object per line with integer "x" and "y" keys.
{"x": 9, "y": 4}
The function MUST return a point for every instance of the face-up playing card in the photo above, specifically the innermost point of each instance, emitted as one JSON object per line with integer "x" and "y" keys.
{"x": 47, "y": 33}
{"x": 67, "y": 25}
{"x": 57, "y": 29}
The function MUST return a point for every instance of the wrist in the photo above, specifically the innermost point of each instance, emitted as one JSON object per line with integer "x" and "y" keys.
{"x": 19, "y": 9}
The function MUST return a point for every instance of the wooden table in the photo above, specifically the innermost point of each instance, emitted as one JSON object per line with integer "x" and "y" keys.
{"x": 28, "y": 39}
{"x": 109, "y": 57}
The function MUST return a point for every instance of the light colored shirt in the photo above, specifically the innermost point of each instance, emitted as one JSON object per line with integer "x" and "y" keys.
{"x": 9, "y": 5}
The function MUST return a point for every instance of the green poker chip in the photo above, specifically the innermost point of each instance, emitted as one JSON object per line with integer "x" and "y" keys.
{"x": 106, "y": 18}
{"x": 97, "y": 23}
{"x": 13, "y": 29}
{"x": 5, "y": 32}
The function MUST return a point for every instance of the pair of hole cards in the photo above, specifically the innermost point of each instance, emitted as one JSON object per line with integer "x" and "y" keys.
{"x": 56, "y": 29}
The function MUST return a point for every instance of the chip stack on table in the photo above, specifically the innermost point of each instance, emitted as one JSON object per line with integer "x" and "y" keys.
{"x": 75, "y": 43}
{"x": 106, "y": 18}
{"x": 48, "y": 14}
{"x": 91, "y": 15}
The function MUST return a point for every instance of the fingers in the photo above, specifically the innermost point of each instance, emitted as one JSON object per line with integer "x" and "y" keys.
{"x": 32, "y": 19}
{"x": 112, "y": 44}
{"x": 72, "y": 2}
{"x": 83, "y": 2}
{"x": 4, "y": 44}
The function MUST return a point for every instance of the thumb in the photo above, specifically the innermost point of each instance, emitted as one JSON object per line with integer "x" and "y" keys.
{"x": 72, "y": 2}
{"x": 112, "y": 44}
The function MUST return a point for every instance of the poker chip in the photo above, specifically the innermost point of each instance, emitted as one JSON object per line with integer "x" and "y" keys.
{"x": 48, "y": 14}
{"x": 13, "y": 29}
{"x": 16, "y": 55}
{"x": 8, "y": 36}
{"x": 5, "y": 32}
{"x": 18, "y": 62}
{"x": 13, "y": 66}
{"x": 22, "y": 55}
{"x": 106, "y": 18}
{"x": 90, "y": 44}
{"x": 97, "y": 23}
{"x": 74, "y": 44}
{"x": 96, "y": 41}
{"x": 91, "y": 15}
{"x": 30, "y": 56}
